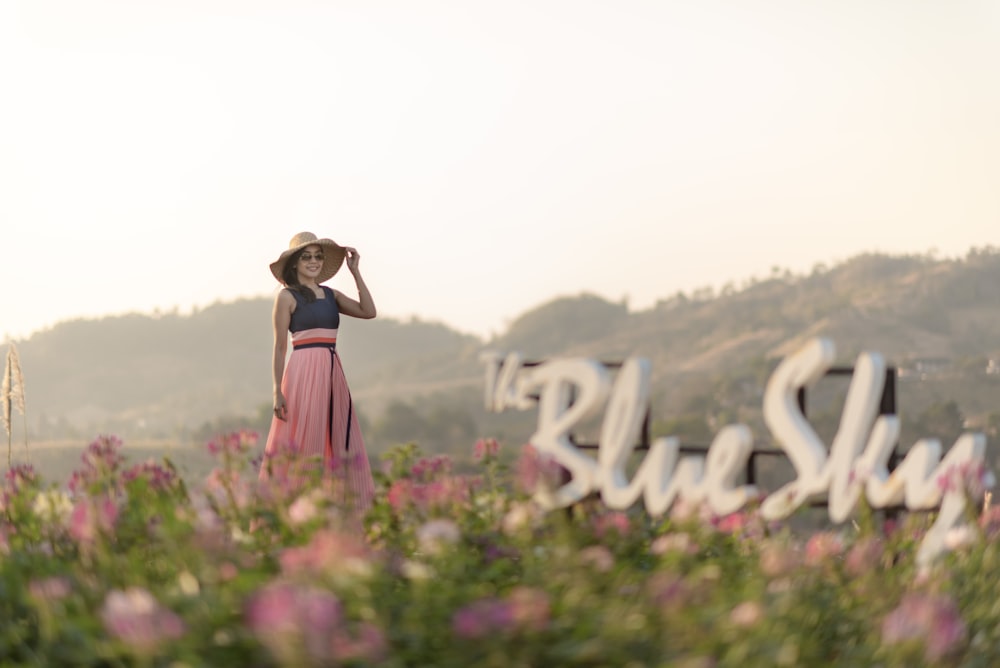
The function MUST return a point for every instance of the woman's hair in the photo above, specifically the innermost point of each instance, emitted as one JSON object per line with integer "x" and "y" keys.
{"x": 290, "y": 276}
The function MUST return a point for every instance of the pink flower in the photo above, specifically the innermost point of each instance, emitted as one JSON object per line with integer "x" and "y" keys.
{"x": 597, "y": 557}
{"x": 400, "y": 494}
{"x": 302, "y": 510}
{"x": 228, "y": 571}
{"x": 136, "y": 618}
{"x": 732, "y": 523}
{"x": 683, "y": 511}
{"x": 667, "y": 590}
{"x": 234, "y": 443}
{"x": 989, "y": 521}
{"x": 50, "y": 589}
{"x": 976, "y": 478}
{"x": 933, "y": 620}
{"x": 616, "y": 522}
{"x": 431, "y": 468}
{"x": 485, "y": 448}
{"x": 864, "y": 556}
{"x": 228, "y": 487}
{"x": 534, "y": 469}
{"x": 530, "y": 608}
{"x": 367, "y": 646}
{"x": 327, "y": 552}
{"x": 92, "y": 518}
{"x": 822, "y": 546}
{"x": 286, "y": 617}
{"x": 481, "y": 618}
{"x": 436, "y": 494}
{"x": 776, "y": 559}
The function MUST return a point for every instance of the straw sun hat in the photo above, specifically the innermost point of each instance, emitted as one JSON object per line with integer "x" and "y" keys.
{"x": 333, "y": 255}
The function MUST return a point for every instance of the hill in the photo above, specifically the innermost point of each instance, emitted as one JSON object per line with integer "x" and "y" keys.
{"x": 184, "y": 376}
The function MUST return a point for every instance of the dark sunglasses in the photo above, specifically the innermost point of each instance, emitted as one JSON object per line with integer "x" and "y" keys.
{"x": 308, "y": 257}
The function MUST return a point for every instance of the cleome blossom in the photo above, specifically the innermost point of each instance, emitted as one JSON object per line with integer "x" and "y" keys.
{"x": 134, "y": 617}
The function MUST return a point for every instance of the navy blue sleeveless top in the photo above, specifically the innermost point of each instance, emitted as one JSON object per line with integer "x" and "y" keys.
{"x": 320, "y": 313}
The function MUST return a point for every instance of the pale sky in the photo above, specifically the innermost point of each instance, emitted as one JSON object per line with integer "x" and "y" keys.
{"x": 484, "y": 157}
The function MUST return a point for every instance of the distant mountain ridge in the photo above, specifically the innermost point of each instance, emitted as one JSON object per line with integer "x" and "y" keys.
{"x": 159, "y": 375}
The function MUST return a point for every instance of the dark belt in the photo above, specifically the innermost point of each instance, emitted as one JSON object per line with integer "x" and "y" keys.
{"x": 315, "y": 342}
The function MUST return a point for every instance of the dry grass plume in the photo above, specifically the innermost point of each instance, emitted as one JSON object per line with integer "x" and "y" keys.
{"x": 12, "y": 397}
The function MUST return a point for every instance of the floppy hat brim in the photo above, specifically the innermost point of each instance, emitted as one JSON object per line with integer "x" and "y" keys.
{"x": 333, "y": 258}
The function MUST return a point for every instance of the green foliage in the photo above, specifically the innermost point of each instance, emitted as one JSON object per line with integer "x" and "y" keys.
{"x": 126, "y": 565}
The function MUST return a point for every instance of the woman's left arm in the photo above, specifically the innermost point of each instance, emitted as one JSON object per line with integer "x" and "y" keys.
{"x": 364, "y": 306}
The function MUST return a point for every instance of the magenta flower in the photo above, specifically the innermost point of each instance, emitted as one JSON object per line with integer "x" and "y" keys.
{"x": 949, "y": 481}
{"x": 933, "y": 620}
{"x": 431, "y": 468}
{"x": 92, "y": 518}
{"x": 286, "y": 618}
{"x": 481, "y": 618}
{"x": 136, "y": 618}
{"x": 101, "y": 462}
{"x": 159, "y": 477}
{"x": 534, "y": 469}
{"x": 613, "y": 522}
{"x": 234, "y": 443}
{"x": 436, "y": 494}
{"x": 20, "y": 475}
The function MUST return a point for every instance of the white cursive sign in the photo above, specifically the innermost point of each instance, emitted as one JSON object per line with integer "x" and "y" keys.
{"x": 856, "y": 460}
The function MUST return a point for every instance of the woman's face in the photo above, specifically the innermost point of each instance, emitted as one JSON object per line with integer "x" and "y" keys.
{"x": 310, "y": 262}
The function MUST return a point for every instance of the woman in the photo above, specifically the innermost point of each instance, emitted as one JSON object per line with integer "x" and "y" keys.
{"x": 313, "y": 412}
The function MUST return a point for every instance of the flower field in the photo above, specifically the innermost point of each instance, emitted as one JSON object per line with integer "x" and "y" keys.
{"x": 126, "y": 564}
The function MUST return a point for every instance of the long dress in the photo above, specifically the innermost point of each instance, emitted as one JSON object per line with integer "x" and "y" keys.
{"x": 321, "y": 416}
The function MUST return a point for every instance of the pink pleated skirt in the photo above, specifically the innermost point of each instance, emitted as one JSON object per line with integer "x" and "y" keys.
{"x": 322, "y": 422}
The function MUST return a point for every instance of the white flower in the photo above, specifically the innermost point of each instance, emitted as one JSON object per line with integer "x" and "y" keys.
{"x": 302, "y": 510}
{"x": 746, "y": 614}
{"x": 519, "y": 516}
{"x": 674, "y": 542}
{"x": 53, "y": 506}
{"x": 188, "y": 584}
{"x": 434, "y": 536}
{"x": 240, "y": 536}
{"x": 131, "y": 602}
{"x": 414, "y": 570}
{"x": 959, "y": 537}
